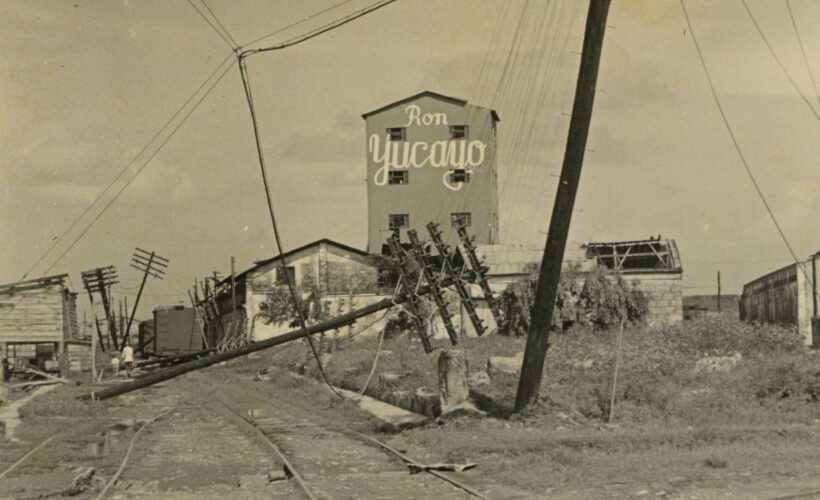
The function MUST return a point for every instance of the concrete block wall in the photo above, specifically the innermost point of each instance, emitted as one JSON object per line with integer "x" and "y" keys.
{"x": 665, "y": 294}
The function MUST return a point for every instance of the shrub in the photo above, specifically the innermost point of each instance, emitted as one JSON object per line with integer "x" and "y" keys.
{"x": 279, "y": 307}
{"x": 602, "y": 302}
{"x": 397, "y": 324}
{"x": 787, "y": 376}
{"x": 606, "y": 302}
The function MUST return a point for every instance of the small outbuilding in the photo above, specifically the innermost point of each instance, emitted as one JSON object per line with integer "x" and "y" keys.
{"x": 787, "y": 296}
{"x": 37, "y": 317}
{"x": 339, "y": 278}
{"x": 653, "y": 266}
{"x": 176, "y": 331}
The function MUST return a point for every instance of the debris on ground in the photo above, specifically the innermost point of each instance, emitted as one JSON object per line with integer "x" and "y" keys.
{"x": 416, "y": 468}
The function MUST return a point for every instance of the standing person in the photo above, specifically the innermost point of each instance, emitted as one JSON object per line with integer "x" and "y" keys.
{"x": 115, "y": 363}
{"x": 128, "y": 358}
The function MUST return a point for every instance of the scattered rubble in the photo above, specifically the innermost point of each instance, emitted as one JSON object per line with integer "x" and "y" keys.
{"x": 718, "y": 364}
{"x": 478, "y": 378}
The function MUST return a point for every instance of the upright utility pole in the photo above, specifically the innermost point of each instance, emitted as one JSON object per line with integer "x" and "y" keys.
{"x": 718, "y": 298}
{"x": 538, "y": 338}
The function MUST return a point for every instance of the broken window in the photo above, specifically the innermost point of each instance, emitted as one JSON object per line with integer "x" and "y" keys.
{"x": 461, "y": 219}
{"x": 280, "y": 275}
{"x": 398, "y": 221}
{"x": 458, "y": 131}
{"x": 459, "y": 175}
{"x": 397, "y": 133}
{"x": 398, "y": 177}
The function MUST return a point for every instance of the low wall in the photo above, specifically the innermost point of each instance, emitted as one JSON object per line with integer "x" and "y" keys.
{"x": 665, "y": 294}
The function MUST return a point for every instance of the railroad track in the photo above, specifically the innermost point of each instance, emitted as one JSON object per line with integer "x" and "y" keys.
{"x": 327, "y": 462}
{"x": 218, "y": 435}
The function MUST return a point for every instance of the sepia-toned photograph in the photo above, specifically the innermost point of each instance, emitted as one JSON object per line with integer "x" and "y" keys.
{"x": 410, "y": 249}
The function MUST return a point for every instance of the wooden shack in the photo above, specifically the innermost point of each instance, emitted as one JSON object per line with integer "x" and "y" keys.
{"x": 788, "y": 296}
{"x": 36, "y": 318}
{"x": 176, "y": 332}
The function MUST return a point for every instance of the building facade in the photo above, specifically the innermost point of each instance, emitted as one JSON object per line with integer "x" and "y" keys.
{"x": 37, "y": 317}
{"x": 431, "y": 158}
{"x": 343, "y": 278}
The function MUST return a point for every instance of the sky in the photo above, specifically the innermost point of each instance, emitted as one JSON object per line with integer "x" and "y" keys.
{"x": 84, "y": 86}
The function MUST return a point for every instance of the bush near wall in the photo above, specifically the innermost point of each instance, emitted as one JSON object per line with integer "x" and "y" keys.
{"x": 603, "y": 300}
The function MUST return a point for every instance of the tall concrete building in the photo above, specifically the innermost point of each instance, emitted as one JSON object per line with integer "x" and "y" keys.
{"x": 431, "y": 158}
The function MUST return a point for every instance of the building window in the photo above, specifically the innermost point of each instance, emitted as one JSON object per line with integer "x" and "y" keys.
{"x": 397, "y": 133}
{"x": 398, "y": 221}
{"x": 280, "y": 276}
{"x": 458, "y": 175}
{"x": 459, "y": 131}
{"x": 398, "y": 177}
{"x": 461, "y": 219}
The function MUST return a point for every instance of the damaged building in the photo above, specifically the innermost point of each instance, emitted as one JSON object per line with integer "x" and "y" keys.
{"x": 37, "y": 318}
{"x": 652, "y": 265}
{"x": 340, "y": 278}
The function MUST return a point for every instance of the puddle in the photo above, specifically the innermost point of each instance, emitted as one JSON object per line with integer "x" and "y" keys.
{"x": 9, "y": 411}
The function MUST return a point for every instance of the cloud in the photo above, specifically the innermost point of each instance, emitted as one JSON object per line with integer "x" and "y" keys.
{"x": 51, "y": 154}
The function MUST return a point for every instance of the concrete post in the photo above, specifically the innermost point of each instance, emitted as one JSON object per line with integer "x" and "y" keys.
{"x": 452, "y": 379}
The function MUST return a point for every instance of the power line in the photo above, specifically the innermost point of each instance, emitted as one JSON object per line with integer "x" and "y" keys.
{"x": 779, "y": 62}
{"x": 236, "y": 45}
{"x": 296, "y": 302}
{"x": 249, "y": 95}
{"x": 737, "y": 145}
{"x": 233, "y": 47}
{"x": 306, "y": 18}
{"x": 322, "y": 29}
{"x": 145, "y": 164}
{"x": 802, "y": 50}
{"x": 144, "y": 148}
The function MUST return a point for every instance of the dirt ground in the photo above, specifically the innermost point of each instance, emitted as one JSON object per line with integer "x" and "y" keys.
{"x": 198, "y": 449}
{"x": 765, "y": 449}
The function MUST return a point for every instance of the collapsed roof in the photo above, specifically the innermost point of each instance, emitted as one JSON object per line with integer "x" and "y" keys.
{"x": 652, "y": 255}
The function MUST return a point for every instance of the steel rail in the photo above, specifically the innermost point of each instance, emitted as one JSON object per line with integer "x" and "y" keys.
{"x": 410, "y": 461}
{"x": 121, "y": 468}
{"x": 265, "y": 439}
{"x": 342, "y": 429}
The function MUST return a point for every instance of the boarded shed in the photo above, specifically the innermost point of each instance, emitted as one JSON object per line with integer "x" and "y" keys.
{"x": 787, "y": 296}
{"x": 176, "y": 331}
{"x": 36, "y": 318}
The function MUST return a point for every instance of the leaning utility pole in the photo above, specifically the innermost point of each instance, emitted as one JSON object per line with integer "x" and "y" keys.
{"x": 148, "y": 263}
{"x": 538, "y": 338}
{"x": 101, "y": 280}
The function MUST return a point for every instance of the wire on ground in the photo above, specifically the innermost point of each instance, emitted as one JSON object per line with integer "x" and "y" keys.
{"x": 128, "y": 455}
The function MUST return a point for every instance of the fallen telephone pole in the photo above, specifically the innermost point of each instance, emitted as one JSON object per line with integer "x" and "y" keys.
{"x": 331, "y": 324}
{"x": 538, "y": 337}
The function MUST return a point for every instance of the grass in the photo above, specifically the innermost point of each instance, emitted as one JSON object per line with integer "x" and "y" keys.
{"x": 658, "y": 380}
{"x": 691, "y": 428}
{"x": 675, "y": 430}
